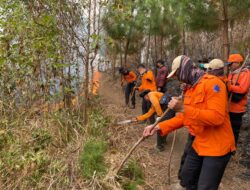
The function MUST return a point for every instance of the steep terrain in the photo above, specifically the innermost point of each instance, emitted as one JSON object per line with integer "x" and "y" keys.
{"x": 155, "y": 165}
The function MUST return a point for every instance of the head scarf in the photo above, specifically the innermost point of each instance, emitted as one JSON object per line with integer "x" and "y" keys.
{"x": 188, "y": 73}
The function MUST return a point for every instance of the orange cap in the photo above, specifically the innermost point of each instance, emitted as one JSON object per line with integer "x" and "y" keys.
{"x": 235, "y": 58}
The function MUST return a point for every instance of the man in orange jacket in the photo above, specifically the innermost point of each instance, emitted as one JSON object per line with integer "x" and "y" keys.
{"x": 239, "y": 90}
{"x": 147, "y": 82}
{"x": 215, "y": 67}
{"x": 130, "y": 78}
{"x": 204, "y": 113}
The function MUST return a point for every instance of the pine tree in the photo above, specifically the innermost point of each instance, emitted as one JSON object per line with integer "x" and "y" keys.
{"x": 214, "y": 15}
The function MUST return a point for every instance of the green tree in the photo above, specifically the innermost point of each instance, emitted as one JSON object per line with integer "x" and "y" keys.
{"x": 215, "y": 15}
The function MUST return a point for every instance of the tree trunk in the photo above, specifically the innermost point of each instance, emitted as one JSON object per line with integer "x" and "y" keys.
{"x": 156, "y": 54}
{"x": 86, "y": 90}
{"x": 121, "y": 62}
{"x": 148, "y": 50}
{"x": 183, "y": 41}
{"x": 225, "y": 37}
{"x": 113, "y": 65}
{"x": 95, "y": 32}
{"x": 126, "y": 51}
{"x": 161, "y": 50}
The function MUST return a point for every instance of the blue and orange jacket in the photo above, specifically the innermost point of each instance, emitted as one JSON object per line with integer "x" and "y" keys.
{"x": 206, "y": 116}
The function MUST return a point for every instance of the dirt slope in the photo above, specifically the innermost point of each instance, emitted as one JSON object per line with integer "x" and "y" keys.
{"x": 154, "y": 164}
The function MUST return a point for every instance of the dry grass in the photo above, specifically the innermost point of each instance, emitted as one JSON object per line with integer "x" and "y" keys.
{"x": 154, "y": 165}
{"x": 42, "y": 151}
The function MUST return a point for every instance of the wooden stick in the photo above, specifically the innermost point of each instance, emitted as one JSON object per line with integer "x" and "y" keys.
{"x": 170, "y": 156}
{"x": 237, "y": 78}
{"x": 139, "y": 142}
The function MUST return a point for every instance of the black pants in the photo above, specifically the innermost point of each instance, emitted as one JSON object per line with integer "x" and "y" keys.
{"x": 145, "y": 107}
{"x": 161, "y": 140}
{"x": 203, "y": 172}
{"x": 236, "y": 122}
{"x": 129, "y": 90}
{"x": 187, "y": 148}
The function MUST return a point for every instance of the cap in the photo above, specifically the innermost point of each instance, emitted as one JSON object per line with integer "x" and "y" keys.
{"x": 175, "y": 65}
{"x": 235, "y": 58}
{"x": 214, "y": 64}
{"x": 144, "y": 93}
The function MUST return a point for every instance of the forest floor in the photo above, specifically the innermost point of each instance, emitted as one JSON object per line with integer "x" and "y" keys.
{"x": 155, "y": 165}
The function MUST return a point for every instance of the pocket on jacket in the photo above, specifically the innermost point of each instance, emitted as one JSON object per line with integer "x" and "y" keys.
{"x": 199, "y": 98}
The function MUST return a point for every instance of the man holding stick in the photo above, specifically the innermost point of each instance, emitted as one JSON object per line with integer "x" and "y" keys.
{"x": 130, "y": 78}
{"x": 204, "y": 113}
{"x": 239, "y": 82}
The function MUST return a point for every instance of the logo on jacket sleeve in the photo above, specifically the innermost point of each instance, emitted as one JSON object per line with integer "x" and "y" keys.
{"x": 216, "y": 88}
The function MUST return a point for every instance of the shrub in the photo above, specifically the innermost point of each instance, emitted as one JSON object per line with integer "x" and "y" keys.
{"x": 133, "y": 172}
{"x": 92, "y": 157}
{"x": 97, "y": 122}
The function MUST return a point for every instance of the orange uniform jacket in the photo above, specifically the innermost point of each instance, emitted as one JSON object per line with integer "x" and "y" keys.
{"x": 131, "y": 77}
{"x": 242, "y": 87}
{"x": 206, "y": 116}
{"x": 148, "y": 82}
{"x": 154, "y": 98}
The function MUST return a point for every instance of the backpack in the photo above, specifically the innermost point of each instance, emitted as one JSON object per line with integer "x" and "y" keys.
{"x": 164, "y": 101}
{"x": 164, "y": 105}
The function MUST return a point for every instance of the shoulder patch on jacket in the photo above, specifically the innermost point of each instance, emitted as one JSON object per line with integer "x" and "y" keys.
{"x": 216, "y": 88}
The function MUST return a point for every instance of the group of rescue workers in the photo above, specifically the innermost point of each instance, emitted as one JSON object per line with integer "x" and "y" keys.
{"x": 200, "y": 102}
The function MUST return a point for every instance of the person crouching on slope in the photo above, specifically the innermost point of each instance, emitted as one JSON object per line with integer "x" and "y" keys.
{"x": 130, "y": 78}
{"x": 204, "y": 112}
{"x": 159, "y": 103}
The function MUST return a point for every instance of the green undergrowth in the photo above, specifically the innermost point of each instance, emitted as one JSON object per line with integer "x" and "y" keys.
{"x": 133, "y": 176}
{"x": 92, "y": 156}
{"x": 40, "y": 151}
